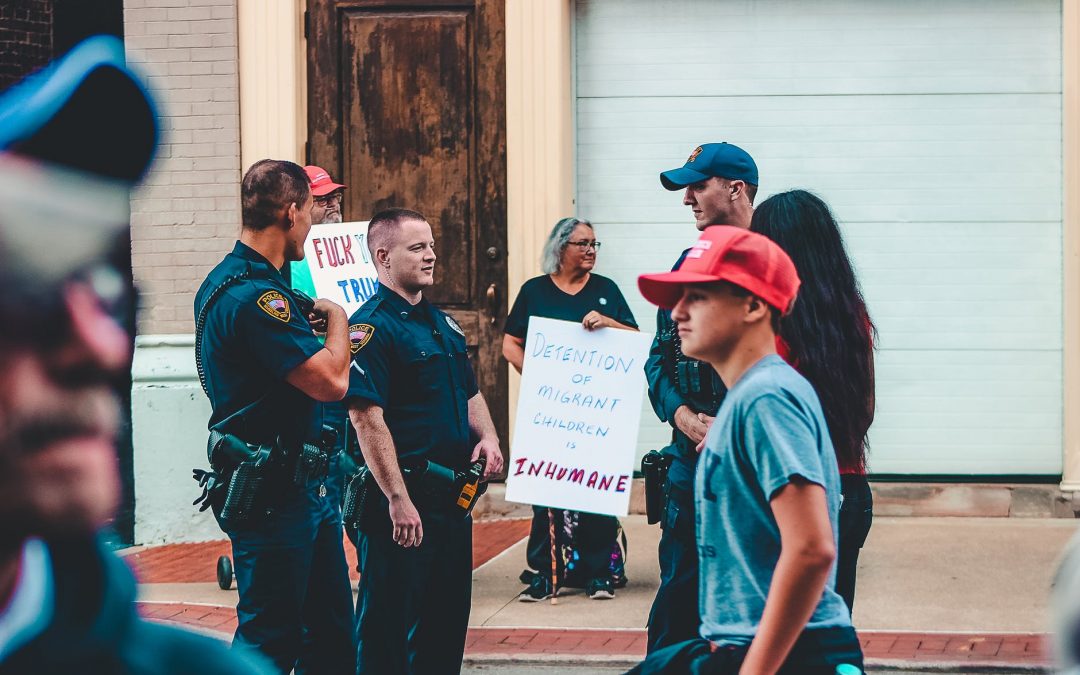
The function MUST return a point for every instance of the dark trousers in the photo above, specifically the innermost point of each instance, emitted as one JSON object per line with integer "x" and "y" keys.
{"x": 414, "y": 602}
{"x": 856, "y": 517}
{"x": 816, "y": 652}
{"x": 674, "y": 615}
{"x": 295, "y": 602}
{"x": 593, "y": 540}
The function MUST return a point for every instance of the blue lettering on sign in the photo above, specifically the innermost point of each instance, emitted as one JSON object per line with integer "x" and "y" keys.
{"x": 357, "y": 290}
{"x": 589, "y": 358}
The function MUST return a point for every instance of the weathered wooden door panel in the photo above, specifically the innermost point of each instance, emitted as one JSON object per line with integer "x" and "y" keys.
{"x": 407, "y": 106}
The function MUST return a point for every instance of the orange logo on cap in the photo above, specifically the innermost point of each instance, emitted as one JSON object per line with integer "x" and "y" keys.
{"x": 694, "y": 154}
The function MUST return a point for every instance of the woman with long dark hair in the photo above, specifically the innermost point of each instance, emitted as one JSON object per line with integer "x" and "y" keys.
{"x": 829, "y": 338}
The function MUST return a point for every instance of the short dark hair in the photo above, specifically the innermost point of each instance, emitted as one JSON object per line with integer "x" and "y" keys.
{"x": 268, "y": 187}
{"x": 385, "y": 223}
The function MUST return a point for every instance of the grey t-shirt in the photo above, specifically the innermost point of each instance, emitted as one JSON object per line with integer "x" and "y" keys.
{"x": 769, "y": 429}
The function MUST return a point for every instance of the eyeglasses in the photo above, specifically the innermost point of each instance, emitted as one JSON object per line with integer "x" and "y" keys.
{"x": 39, "y": 314}
{"x": 583, "y": 244}
{"x": 326, "y": 200}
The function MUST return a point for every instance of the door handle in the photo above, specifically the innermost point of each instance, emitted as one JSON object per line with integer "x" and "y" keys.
{"x": 493, "y": 302}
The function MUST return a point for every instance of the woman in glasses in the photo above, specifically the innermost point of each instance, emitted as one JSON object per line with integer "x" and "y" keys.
{"x": 588, "y": 551}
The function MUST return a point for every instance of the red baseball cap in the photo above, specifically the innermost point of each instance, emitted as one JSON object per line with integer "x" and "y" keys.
{"x": 320, "y": 181}
{"x": 732, "y": 254}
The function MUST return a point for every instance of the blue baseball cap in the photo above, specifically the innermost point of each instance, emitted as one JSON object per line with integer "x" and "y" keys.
{"x": 722, "y": 160}
{"x": 86, "y": 111}
{"x": 75, "y": 137}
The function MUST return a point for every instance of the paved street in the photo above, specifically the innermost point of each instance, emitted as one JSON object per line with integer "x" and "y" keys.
{"x": 941, "y": 592}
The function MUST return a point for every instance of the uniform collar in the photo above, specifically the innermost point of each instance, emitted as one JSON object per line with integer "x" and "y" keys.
{"x": 245, "y": 252}
{"x": 399, "y": 304}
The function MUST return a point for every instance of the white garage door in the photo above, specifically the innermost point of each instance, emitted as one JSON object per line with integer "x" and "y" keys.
{"x": 933, "y": 129}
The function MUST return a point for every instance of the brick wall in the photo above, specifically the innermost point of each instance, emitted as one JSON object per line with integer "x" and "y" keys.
{"x": 187, "y": 214}
{"x": 25, "y": 38}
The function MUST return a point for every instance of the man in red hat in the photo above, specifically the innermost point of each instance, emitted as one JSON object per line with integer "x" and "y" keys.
{"x": 328, "y": 196}
{"x": 767, "y": 488}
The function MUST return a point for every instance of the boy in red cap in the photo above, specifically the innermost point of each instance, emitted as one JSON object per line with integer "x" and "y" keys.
{"x": 767, "y": 489}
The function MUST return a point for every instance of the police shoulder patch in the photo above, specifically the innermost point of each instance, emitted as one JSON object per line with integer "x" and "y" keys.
{"x": 454, "y": 325}
{"x": 359, "y": 335}
{"x": 275, "y": 304}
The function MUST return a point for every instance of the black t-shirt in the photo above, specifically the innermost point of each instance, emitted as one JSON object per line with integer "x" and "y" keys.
{"x": 540, "y": 296}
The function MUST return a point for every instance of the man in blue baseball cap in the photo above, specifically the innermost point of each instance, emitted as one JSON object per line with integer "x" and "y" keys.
{"x": 721, "y": 181}
{"x": 74, "y": 139}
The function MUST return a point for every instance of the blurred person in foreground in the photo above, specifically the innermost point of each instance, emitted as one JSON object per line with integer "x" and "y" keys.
{"x": 766, "y": 489}
{"x": 74, "y": 138}
{"x": 828, "y": 337}
{"x": 589, "y": 552}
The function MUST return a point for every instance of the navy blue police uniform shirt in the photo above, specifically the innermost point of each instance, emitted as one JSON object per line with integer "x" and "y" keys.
{"x": 540, "y": 296}
{"x": 254, "y": 336}
{"x": 411, "y": 361}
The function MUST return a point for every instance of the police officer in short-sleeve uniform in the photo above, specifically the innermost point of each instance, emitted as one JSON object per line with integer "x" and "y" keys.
{"x": 412, "y": 378}
{"x": 720, "y": 182}
{"x": 253, "y": 341}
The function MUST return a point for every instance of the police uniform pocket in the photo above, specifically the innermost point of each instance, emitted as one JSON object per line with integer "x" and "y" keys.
{"x": 427, "y": 370}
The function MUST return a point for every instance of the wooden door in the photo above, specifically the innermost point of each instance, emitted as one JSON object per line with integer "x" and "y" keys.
{"x": 407, "y": 107}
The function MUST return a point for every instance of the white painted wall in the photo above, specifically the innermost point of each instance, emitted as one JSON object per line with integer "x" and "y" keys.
{"x": 169, "y": 414}
{"x": 933, "y": 130}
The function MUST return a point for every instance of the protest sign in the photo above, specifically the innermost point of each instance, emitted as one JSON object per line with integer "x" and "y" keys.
{"x": 337, "y": 265}
{"x": 577, "y": 417}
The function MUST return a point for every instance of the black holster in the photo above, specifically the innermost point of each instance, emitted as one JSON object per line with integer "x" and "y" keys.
{"x": 654, "y": 466}
{"x": 239, "y": 483}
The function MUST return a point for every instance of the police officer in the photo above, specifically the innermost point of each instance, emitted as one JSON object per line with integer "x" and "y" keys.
{"x": 413, "y": 399}
{"x": 720, "y": 182}
{"x": 265, "y": 372}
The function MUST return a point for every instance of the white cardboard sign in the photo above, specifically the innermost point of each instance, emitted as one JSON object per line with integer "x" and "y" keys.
{"x": 336, "y": 258}
{"x": 577, "y": 419}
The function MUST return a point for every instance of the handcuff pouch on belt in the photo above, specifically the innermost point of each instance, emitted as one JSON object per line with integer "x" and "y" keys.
{"x": 654, "y": 466}
{"x": 428, "y": 484}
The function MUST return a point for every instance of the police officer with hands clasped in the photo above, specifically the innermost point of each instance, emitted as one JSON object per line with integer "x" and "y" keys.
{"x": 720, "y": 182}
{"x": 428, "y": 443}
{"x": 265, "y": 372}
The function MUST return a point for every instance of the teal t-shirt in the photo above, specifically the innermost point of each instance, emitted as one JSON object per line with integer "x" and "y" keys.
{"x": 769, "y": 429}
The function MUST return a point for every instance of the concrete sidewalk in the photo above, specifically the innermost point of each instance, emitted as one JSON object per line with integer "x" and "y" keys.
{"x": 933, "y": 592}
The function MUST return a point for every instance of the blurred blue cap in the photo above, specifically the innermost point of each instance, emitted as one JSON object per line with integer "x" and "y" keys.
{"x": 87, "y": 111}
{"x": 722, "y": 160}
{"x": 74, "y": 138}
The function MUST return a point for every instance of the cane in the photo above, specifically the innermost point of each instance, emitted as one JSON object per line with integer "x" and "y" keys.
{"x": 554, "y": 573}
